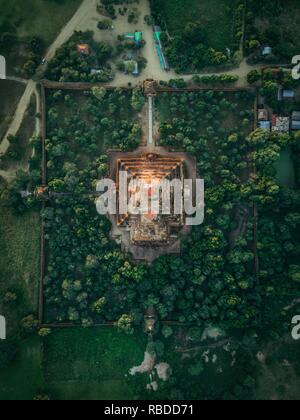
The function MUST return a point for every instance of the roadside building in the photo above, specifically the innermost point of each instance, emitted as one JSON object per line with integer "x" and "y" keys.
{"x": 96, "y": 71}
{"x": 263, "y": 114}
{"x": 159, "y": 49}
{"x": 266, "y": 51}
{"x": 136, "y": 71}
{"x": 83, "y": 49}
{"x": 135, "y": 38}
{"x": 286, "y": 94}
{"x": 265, "y": 125}
{"x": 138, "y": 37}
{"x": 132, "y": 66}
{"x": 296, "y": 121}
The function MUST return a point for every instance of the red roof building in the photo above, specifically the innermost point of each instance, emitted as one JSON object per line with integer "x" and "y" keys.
{"x": 83, "y": 49}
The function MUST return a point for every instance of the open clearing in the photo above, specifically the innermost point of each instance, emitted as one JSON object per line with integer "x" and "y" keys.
{"x": 91, "y": 354}
{"x": 74, "y": 364}
{"x": 37, "y": 18}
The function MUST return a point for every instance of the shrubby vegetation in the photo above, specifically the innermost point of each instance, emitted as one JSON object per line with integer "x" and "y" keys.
{"x": 223, "y": 80}
{"x": 26, "y": 32}
{"x": 89, "y": 279}
{"x": 193, "y": 37}
{"x": 108, "y": 7}
{"x": 278, "y": 226}
{"x": 219, "y": 266}
{"x": 268, "y": 83}
{"x": 279, "y": 30}
{"x": 214, "y": 281}
{"x": 76, "y": 150}
{"x": 69, "y": 65}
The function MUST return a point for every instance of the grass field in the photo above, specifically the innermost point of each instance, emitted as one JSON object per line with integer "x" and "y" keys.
{"x": 42, "y": 18}
{"x": 76, "y": 364}
{"x": 10, "y": 94}
{"x": 19, "y": 262}
{"x": 24, "y": 378}
{"x": 40, "y": 368}
{"x": 93, "y": 354}
{"x": 20, "y": 151}
{"x": 215, "y": 15}
{"x": 285, "y": 169}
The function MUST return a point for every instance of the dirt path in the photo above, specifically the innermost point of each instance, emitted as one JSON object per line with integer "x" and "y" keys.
{"x": 85, "y": 12}
{"x": 80, "y": 21}
{"x": 19, "y": 115}
{"x": 17, "y": 79}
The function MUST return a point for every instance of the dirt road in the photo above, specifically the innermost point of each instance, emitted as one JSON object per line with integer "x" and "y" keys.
{"x": 19, "y": 115}
{"x": 80, "y": 20}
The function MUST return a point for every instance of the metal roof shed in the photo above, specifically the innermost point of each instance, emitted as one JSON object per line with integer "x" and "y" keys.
{"x": 265, "y": 125}
{"x": 296, "y": 125}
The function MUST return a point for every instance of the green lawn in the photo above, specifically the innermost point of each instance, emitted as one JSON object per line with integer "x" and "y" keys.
{"x": 215, "y": 15}
{"x": 94, "y": 354}
{"x": 74, "y": 364}
{"x": 23, "y": 380}
{"x": 285, "y": 169}
{"x": 42, "y": 18}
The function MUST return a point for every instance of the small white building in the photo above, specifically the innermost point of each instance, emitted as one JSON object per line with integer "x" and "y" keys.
{"x": 267, "y": 50}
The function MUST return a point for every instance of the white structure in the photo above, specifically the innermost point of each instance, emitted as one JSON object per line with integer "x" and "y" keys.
{"x": 2, "y": 328}
{"x": 2, "y": 67}
{"x": 150, "y": 120}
